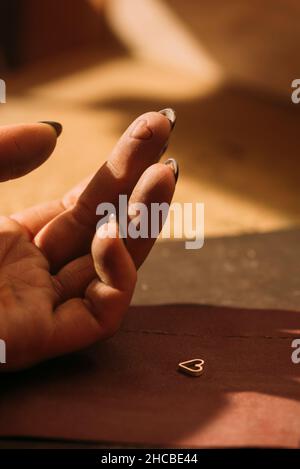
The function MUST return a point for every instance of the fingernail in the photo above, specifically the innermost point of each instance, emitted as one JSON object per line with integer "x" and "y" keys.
{"x": 173, "y": 163}
{"x": 56, "y": 126}
{"x": 170, "y": 114}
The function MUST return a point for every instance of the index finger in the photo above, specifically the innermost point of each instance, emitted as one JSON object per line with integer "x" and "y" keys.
{"x": 24, "y": 147}
{"x": 69, "y": 235}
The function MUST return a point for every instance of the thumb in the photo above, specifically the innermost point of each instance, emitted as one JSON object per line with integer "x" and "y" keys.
{"x": 24, "y": 147}
{"x": 80, "y": 322}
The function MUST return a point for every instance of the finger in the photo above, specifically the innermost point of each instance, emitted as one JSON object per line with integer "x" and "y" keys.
{"x": 24, "y": 147}
{"x": 80, "y": 322}
{"x": 73, "y": 279}
{"x": 156, "y": 186}
{"x": 36, "y": 217}
{"x": 70, "y": 233}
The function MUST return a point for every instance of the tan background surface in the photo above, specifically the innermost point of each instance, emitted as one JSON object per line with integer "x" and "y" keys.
{"x": 237, "y": 145}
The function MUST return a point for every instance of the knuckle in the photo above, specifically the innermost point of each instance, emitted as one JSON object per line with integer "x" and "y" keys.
{"x": 115, "y": 171}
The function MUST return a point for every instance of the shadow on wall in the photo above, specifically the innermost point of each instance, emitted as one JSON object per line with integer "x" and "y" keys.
{"x": 252, "y": 42}
{"x": 234, "y": 139}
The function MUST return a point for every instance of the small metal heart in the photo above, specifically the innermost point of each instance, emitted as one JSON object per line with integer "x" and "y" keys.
{"x": 193, "y": 367}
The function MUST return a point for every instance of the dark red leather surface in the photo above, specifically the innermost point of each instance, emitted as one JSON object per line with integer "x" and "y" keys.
{"x": 128, "y": 390}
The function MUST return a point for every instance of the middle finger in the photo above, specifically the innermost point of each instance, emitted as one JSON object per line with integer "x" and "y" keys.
{"x": 69, "y": 234}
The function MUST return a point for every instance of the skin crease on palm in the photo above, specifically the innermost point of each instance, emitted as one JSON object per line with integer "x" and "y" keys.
{"x": 62, "y": 287}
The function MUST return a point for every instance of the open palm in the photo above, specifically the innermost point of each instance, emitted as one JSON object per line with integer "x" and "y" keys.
{"x": 62, "y": 285}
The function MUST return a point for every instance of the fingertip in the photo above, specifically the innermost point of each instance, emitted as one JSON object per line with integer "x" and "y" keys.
{"x": 38, "y": 140}
{"x": 56, "y": 126}
{"x": 47, "y": 134}
{"x": 170, "y": 114}
{"x": 112, "y": 261}
{"x": 106, "y": 246}
{"x": 157, "y": 123}
{"x": 159, "y": 180}
{"x": 150, "y": 131}
{"x": 24, "y": 147}
{"x": 173, "y": 165}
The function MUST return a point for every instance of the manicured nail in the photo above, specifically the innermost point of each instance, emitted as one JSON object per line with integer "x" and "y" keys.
{"x": 170, "y": 114}
{"x": 56, "y": 126}
{"x": 173, "y": 163}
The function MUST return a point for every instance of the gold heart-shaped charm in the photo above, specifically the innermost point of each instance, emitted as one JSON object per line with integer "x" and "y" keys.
{"x": 193, "y": 367}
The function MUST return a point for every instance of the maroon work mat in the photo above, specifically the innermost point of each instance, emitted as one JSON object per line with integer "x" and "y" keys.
{"x": 128, "y": 390}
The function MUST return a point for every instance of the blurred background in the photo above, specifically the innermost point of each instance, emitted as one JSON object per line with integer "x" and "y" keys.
{"x": 225, "y": 67}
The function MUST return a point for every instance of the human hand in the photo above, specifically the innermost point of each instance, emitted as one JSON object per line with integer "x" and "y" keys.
{"x": 63, "y": 287}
